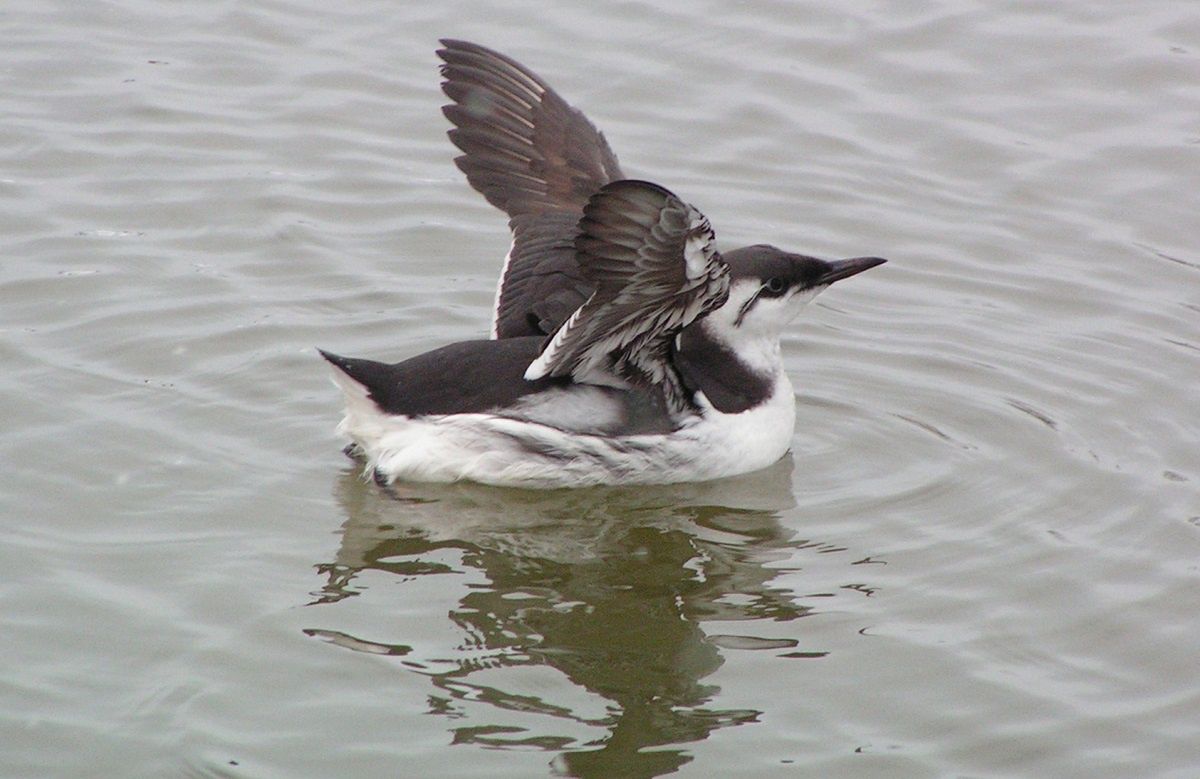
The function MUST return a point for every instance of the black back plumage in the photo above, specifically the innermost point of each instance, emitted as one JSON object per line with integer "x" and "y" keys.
{"x": 485, "y": 377}
{"x": 467, "y": 377}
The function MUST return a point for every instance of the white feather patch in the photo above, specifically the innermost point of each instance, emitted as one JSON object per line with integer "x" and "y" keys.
{"x": 495, "y": 333}
{"x": 698, "y": 250}
{"x": 540, "y": 367}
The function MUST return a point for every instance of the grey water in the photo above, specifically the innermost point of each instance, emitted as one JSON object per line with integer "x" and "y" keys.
{"x": 981, "y": 558}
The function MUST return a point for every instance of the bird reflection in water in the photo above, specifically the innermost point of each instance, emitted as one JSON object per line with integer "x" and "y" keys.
{"x": 616, "y": 589}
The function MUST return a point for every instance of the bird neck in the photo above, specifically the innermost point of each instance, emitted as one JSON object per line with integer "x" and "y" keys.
{"x": 755, "y": 348}
{"x": 735, "y": 371}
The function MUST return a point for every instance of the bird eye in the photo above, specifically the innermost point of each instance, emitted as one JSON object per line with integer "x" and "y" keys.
{"x": 775, "y": 285}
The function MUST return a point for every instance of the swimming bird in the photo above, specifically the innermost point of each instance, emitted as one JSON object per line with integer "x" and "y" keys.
{"x": 625, "y": 348}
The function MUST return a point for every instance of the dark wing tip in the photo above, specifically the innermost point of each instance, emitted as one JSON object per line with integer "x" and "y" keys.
{"x": 459, "y": 44}
{"x": 465, "y": 54}
{"x": 524, "y": 147}
{"x": 450, "y": 45}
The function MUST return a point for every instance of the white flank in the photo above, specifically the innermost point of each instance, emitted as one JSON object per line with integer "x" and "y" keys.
{"x": 511, "y": 452}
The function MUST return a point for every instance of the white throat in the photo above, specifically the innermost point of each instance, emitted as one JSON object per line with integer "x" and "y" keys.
{"x": 754, "y": 335}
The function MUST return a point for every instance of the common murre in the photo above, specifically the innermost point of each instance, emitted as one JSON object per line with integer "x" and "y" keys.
{"x": 625, "y": 348}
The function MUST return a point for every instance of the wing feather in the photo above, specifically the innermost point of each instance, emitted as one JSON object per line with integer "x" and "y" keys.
{"x": 537, "y": 159}
{"x": 652, "y": 261}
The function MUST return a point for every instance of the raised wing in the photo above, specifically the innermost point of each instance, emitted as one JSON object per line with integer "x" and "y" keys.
{"x": 539, "y": 160}
{"x": 652, "y": 261}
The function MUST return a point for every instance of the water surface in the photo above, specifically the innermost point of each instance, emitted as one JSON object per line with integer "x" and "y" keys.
{"x": 981, "y": 559}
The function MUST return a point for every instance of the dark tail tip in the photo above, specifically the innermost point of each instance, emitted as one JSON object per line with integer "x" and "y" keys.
{"x": 370, "y": 374}
{"x": 335, "y": 359}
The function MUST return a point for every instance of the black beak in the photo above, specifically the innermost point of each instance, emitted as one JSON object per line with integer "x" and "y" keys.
{"x": 844, "y": 269}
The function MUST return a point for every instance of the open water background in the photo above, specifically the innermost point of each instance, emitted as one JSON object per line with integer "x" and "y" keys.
{"x": 982, "y": 558}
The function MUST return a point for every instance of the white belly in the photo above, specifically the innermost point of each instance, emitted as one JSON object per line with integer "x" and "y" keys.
{"x": 495, "y": 450}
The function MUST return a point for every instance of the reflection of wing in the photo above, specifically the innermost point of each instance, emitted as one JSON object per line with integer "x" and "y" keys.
{"x": 537, "y": 159}
{"x": 655, "y": 269}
